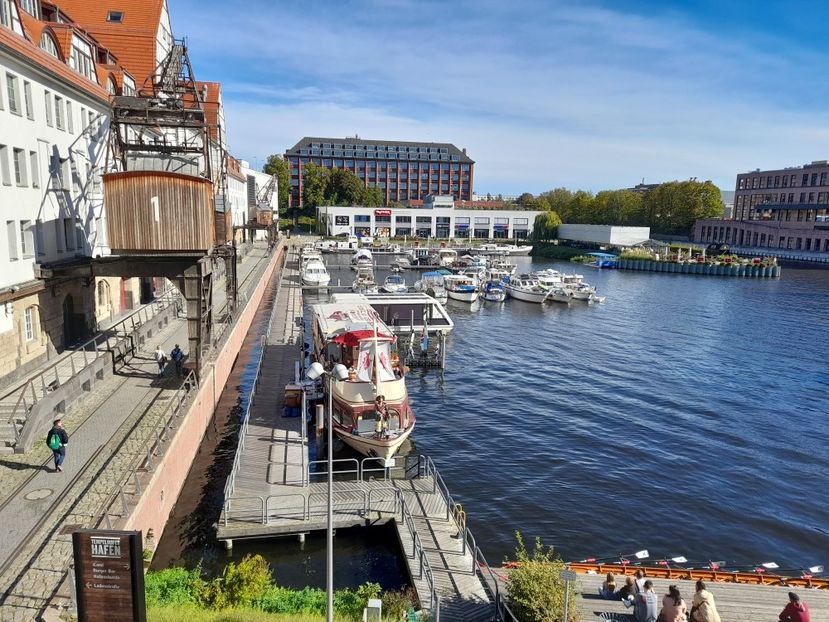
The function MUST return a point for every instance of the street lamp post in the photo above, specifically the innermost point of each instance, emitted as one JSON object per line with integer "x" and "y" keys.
{"x": 338, "y": 372}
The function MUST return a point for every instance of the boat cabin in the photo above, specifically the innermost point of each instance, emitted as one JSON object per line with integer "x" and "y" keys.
{"x": 402, "y": 312}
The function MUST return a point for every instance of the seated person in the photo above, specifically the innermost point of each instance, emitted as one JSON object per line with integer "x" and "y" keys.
{"x": 627, "y": 591}
{"x": 608, "y": 589}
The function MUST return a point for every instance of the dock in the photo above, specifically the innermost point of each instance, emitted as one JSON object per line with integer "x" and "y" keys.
{"x": 273, "y": 490}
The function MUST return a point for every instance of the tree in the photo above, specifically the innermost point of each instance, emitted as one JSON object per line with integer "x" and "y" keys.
{"x": 343, "y": 188}
{"x": 373, "y": 197}
{"x": 545, "y": 226}
{"x": 673, "y": 207}
{"x": 558, "y": 199}
{"x": 315, "y": 180}
{"x": 275, "y": 165}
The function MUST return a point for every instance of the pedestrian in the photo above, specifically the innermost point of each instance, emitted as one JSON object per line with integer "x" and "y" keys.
{"x": 645, "y": 604}
{"x": 795, "y": 611}
{"x": 161, "y": 359}
{"x": 674, "y": 608}
{"x": 178, "y": 358}
{"x": 703, "y": 608}
{"x": 57, "y": 440}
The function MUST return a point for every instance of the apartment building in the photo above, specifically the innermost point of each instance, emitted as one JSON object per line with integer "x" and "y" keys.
{"x": 404, "y": 171}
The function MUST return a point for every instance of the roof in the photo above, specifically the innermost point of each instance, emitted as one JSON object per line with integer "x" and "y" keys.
{"x": 338, "y": 318}
{"x": 30, "y": 50}
{"x": 234, "y": 168}
{"x": 133, "y": 40}
{"x": 306, "y": 141}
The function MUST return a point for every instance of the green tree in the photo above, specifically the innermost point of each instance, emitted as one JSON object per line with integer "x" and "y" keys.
{"x": 275, "y": 165}
{"x": 343, "y": 188}
{"x": 535, "y": 589}
{"x": 315, "y": 181}
{"x": 545, "y": 226}
{"x": 558, "y": 200}
{"x": 672, "y": 207}
{"x": 373, "y": 197}
{"x": 580, "y": 208}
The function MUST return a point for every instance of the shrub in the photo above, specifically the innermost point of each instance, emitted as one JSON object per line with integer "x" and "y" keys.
{"x": 535, "y": 590}
{"x": 173, "y": 586}
{"x": 285, "y": 600}
{"x": 397, "y": 602}
{"x": 350, "y": 603}
{"x": 246, "y": 581}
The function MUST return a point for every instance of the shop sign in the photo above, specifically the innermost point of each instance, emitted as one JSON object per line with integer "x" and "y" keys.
{"x": 382, "y": 212}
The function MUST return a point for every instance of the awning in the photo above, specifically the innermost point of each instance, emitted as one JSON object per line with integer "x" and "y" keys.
{"x": 353, "y": 338}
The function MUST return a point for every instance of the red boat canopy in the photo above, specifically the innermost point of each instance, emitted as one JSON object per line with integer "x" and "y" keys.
{"x": 354, "y": 337}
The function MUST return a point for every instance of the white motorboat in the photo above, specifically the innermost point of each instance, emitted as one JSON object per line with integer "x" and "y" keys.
{"x": 548, "y": 278}
{"x": 497, "y": 274}
{"x": 503, "y": 249}
{"x": 404, "y": 313}
{"x": 447, "y": 257}
{"x": 526, "y": 288}
{"x": 559, "y": 294}
{"x": 461, "y": 287}
{"x": 394, "y": 284}
{"x": 362, "y": 258}
{"x": 364, "y": 283}
{"x": 314, "y": 273}
{"x": 502, "y": 266}
{"x": 339, "y": 245}
{"x": 354, "y": 335}
{"x": 494, "y": 291}
{"x": 574, "y": 283}
{"x": 432, "y": 283}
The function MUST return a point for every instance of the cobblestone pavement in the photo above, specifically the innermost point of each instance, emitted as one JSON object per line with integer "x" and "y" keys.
{"x": 109, "y": 436}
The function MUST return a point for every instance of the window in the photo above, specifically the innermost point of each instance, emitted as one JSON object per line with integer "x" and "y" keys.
{"x": 30, "y": 6}
{"x": 29, "y": 322}
{"x": 362, "y": 218}
{"x": 69, "y": 233}
{"x": 20, "y": 168}
{"x": 5, "y": 171}
{"x": 128, "y": 87}
{"x": 13, "y": 89}
{"x": 27, "y": 243}
{"x": 59, "y": 112}
{"x": 81, "y": 58}
{"x": 27, "y": 96}
{"x": 48, "y": 45}
{"x": 69, "y": 117}
{"x": 48, "y": 99}
{"x": 11, "y": 237}
{"x": 115, "y": 17}
{"x": 100, "y": 227}
{"x": 5, "y": 15}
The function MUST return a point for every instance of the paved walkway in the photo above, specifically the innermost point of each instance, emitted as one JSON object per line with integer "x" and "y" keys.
{"x": 39, "y": 507}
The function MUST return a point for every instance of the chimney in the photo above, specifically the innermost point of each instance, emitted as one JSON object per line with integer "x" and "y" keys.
{"x": 464, "y": 150}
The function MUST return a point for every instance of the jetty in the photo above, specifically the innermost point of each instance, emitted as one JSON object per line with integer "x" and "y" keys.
{"x": 273, "y": 489}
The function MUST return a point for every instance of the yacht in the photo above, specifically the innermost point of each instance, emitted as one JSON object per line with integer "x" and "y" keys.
{"x": 432, "y": 283}
{"x": 364, "y": 283}
{"x": 494, "y": 291}
{"x": 314, "y": 273}
{"x": 362, "y": 258}
{"x": 354, "y": 335}
{"x": 461, "y": 287}
{"x": 574, "y": 283}
{"x": 526, "y": 288}
{"x": 447, "y": 257}
{"x": 503, "y": 249}
{"x": 339, "y": 245}
{"x": 394, "y": 284}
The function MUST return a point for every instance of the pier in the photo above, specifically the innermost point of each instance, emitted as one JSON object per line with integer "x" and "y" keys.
{"x": 273, "y": 489}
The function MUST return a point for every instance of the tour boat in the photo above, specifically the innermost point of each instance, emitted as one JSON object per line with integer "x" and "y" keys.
{"x": 364, "y": 283}
{"x": 394, "y": 284}
{"x": 526, "y": 288}
{"x": 315, "y": 273}
{"x": 353, "y": 334}
{"x": 461, "y": 287}
{"x": 493, "y": 291}
{"x": 432, "y": 283}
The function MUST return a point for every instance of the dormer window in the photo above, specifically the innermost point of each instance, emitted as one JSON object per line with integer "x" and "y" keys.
{"x": 81, "y": 58}
{"x": 48, "y": 45}
{"x": 116, "y": 17}
{"x": 31, "y": 7}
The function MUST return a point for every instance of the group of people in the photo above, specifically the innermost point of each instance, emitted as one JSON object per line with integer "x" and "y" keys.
{"x": 161, "y": 358}
{"x": 638, "y": 592}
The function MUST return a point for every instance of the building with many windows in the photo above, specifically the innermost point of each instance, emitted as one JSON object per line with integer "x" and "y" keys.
{"x": 436, "y": 218}
{"x": 404, "y": 171}
{"x": 777, "y": 209}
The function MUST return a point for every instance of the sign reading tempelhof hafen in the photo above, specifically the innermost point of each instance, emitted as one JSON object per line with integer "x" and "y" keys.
{"x": 109, "y": 575}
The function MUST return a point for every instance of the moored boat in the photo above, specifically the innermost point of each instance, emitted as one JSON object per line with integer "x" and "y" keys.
{"x": 494, "y": 291}
{"x": 526, "y": 288}
{"x": 362, "y": 258}
{"x": 432, "y": 283}
{"x": 394, "y": 284}
{"x": 352, "y": 334}
{"x": 461, "y": 287}
{"x": 314, "y": 273}
{"x": 364, "y": 283}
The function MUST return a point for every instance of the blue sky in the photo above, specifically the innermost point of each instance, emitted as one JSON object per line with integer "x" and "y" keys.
{"x": 542, "y": 94}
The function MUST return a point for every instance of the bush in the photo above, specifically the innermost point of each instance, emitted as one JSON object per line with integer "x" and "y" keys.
{"x": 173, "y": 586}
{"x": 285, "y": 600}
{"x": 397, "y": 602}
{"x": 246, "y": 581}
{"x": 535, "y": 590}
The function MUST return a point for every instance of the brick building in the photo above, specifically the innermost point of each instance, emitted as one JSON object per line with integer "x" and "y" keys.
{"x": 781, "y": 209}
{"x": 404, "y": 171}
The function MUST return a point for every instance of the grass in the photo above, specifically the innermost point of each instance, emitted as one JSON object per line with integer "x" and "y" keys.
{"x": 176, "y": 613}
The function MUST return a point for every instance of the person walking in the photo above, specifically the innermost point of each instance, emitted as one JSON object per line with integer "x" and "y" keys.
{"x": 178, "y": 358}
{"x": 795, "y": 611}
{"x": 161, "y": 359}
{"x": 703, "y": 608}
{"x": 57, "y": 440}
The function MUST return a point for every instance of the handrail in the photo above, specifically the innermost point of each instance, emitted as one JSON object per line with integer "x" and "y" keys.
{"x": 160, "y": 305}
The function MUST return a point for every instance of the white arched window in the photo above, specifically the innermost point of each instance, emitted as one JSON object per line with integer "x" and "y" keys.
{"x": 111, "y": 86}
{"x": 48, "y": 44}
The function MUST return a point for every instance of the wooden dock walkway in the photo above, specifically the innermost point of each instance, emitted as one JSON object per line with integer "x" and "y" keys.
{"x": 273, "y": 491}
{"x": 735, "y": 602}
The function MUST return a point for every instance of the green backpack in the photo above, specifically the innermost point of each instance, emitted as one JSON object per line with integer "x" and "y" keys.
{"x": 54, "y": 441}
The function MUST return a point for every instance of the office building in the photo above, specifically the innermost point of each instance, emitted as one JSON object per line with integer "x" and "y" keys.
{"x": 404, "y": 171}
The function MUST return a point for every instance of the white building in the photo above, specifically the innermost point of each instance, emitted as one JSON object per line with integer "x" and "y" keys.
{"x": 262, "y": 192}
{"x": 437, "y": 218}
{"x": 604, "y": 234}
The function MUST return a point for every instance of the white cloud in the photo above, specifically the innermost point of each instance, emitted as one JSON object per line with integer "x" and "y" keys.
{"x": 541, "y": 94}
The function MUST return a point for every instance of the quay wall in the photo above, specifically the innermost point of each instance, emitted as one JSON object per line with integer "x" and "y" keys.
{"x": 699, "y": 268}
{"x": 162, "y": 489}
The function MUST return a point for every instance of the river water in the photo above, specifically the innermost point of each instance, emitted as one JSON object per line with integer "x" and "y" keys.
{"x": 686, "y": 415}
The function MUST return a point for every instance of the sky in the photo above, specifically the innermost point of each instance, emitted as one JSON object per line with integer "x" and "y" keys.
{"x": 542, "y": 94}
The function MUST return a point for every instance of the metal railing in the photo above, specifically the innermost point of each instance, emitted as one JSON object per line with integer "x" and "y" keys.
{"x": 117, "y": 340}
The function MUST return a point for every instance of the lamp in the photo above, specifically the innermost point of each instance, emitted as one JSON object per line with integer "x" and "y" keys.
{"x": 338, "y": 372}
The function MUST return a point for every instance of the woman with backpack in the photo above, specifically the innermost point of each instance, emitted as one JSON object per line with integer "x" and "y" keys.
{"x": 57, "y": 440}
